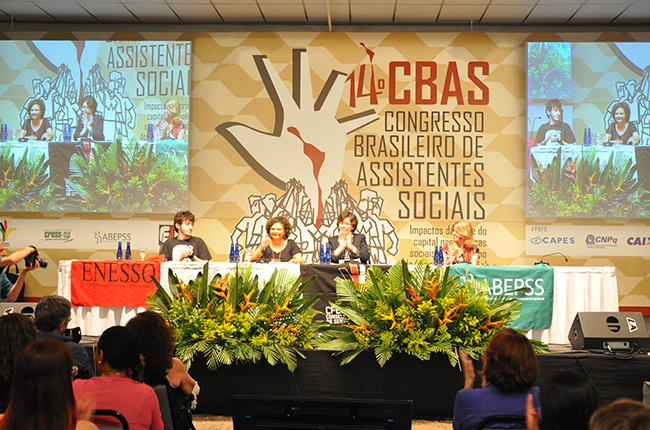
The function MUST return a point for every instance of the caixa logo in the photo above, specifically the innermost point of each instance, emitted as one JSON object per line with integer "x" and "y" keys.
{"x": 111, "y": 237}
{"x": 552, "y": 240}
{"x": 635, "y": 241}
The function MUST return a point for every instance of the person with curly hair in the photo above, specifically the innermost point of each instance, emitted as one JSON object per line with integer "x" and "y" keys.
{"x": 172, "y": 125}
{"x": 278, "y": 246}
{"x": 462, "y": 249}
{"x": 622, "y": 130}
{"x": 36, "y": 126}
{"x": 41, "y": 396}
{"x": 16, "y": 332}
{"x": 185, "y": 246}
{"x": 119, "y": 388}
{"x": 510, "y": 371}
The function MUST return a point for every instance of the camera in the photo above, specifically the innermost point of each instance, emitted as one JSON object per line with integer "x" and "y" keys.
{"x": 31, "y": 258}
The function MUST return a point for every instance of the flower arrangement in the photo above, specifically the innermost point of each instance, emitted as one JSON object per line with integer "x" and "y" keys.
{"x": 231, "y": 320}
{"x": 417, "y": 312}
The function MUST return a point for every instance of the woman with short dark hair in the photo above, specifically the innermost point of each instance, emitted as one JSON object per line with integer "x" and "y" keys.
{"x": 119, "y": 387}
{"x": 90, "y": 124}
{"x": 347, "y": 245}
{"x": 510, "y": 370}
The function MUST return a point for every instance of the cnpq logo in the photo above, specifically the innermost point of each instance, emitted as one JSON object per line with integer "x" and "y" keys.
{"x": 5, "y": 230}
{"x": 600, "y": 241}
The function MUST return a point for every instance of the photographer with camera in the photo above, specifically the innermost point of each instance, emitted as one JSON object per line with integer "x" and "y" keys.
{"x": 8, "y": 291}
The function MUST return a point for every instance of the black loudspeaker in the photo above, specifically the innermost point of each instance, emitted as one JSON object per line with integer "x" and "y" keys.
{"x": 609, "y": 331}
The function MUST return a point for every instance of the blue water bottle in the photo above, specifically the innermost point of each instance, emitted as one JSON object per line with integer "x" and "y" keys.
{"x": 119, "y": 251}
{"x": 127, "y": 254}
{"x": 328, "y": 255}
{"x": 236, "y": 255}
{"x": 232, "y": 253}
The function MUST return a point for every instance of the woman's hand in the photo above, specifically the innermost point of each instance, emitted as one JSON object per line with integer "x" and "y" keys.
{"x": 532, "y": 421}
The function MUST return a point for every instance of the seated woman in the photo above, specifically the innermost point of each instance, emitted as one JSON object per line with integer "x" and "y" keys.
{"x": 160, "y": 365}
{"x": 347, "y": 245}
{"x": 567, "y": 398}
{"x": 118, "y": 362}
{"x": 278, "y": 246}
{"x": 41, "y": 396}
{"x": 510, "y": 370}
{"x": 623, "y": 414}
{"x": 90, "y": 124}
{"x": 462, "y": 249}
{"x": 171, "y": 126}
{"x": 36, "y": 127}
{"x": 16, "y": 332}
{"x": 622, "y": 130}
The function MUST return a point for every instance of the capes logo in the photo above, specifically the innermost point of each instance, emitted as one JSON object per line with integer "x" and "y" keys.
{"x": 642, "y": 241}
{"x": 546, "y": 240}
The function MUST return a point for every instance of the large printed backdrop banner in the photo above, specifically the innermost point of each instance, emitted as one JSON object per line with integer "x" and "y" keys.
{"x": 532, "y": 286}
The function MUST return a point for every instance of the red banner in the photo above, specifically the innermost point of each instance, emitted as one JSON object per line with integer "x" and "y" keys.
{"x": 113, "y": 283}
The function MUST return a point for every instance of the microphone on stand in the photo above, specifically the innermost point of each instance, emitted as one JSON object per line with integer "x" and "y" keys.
{"x": 541, "y": 260}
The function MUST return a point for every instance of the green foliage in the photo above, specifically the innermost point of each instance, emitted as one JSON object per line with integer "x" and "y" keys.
{"x": 549, "y": 70}
{"x": 420, "y": 312}
{"x": 231, "y": 320}
{"x": 582, "y": 188}
{"x": 25, "y": 185}
{"x": 133, "y": 179}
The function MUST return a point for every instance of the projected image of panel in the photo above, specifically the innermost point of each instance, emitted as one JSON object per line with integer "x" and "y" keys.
{"x": 588, "y": 130}
{"x": 93, "y": 126}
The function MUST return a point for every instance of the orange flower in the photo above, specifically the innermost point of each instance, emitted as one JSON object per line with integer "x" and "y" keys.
{"x": 362, "y": 328}
{"x": 390, "y": 317}
{"x": 408, "y": 323}
{"x": 446, "y": 318}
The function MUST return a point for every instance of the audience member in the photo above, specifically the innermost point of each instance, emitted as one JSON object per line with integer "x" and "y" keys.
{"x": 185, "y": 246}
{"x": 161, "y": 367}
{"x": 567, "y": 399}
{"x": 118, "y": 387}
{"x": 277, "y": 246}
{"x": 623, "y": 414}
{"x": 510, "y": 370}
{"x": 16, "y": 332}
{"x": 347, "y": 245}
{"x": 51, "y": 316}
{"x": 41, "y": 396}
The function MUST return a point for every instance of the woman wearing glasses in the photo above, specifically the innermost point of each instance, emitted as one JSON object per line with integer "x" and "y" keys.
{"x": 348, "y": 245}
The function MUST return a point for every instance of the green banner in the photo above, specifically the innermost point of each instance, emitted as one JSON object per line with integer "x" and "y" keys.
{"x": 537, "y": 298}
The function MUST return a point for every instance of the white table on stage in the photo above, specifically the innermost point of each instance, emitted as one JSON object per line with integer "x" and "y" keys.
{"x": 93, "y": 320}
{"x": 578, "y": 289}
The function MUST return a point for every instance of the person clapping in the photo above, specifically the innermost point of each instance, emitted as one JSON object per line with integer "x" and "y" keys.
{"x": 90, "y": 124}
{"x": 278, "y": 247}
{"x": 348, "y": 245}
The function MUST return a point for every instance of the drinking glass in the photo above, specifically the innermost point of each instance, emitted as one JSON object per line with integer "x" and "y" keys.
{"x": 143, "y": 252}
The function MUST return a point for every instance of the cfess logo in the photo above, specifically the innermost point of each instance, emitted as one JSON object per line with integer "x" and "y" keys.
{"x": 5, "y": 230}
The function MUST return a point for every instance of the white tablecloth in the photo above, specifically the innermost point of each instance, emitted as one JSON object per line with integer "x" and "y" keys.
{"x": 544, "y": 153}
{"x": 576, "y": 289}
{"x": 93, "y": 320}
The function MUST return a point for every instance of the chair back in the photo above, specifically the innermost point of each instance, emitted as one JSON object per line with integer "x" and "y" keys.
{"x": 165, "y": 406}
{"x": 501, "y": 422}
{"x": 115, "y": 414}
